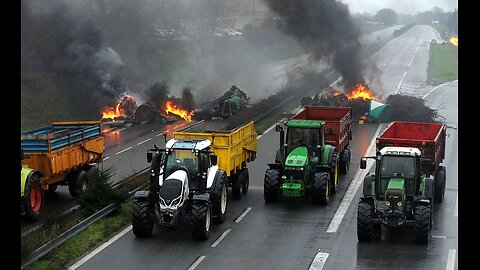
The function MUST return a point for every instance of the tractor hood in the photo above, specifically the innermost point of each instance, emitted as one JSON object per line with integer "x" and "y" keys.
{"x": 298, "y": 157}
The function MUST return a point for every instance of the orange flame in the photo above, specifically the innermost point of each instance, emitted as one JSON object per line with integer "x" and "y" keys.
{"x": 173, "y": 108}
{"x": 110, "y": 112}
{"x": 361, "y": 91}
{"x": 454, "y": 41}
{"x": 336, "y": 93}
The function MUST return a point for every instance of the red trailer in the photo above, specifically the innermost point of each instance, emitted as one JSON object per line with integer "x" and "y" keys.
{"x": 338, "y": 128}
{"x": 430, "y": 138}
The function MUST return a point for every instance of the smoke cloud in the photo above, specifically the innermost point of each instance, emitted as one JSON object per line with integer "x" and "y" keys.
{"x": 325, "y": 29}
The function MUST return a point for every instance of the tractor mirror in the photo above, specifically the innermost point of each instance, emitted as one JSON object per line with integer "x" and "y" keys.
{"x": 213, "y": 158}
{"x": 363, "y": 163}
{"x": 149, "y": 157}
{"x": 278, "y": 128}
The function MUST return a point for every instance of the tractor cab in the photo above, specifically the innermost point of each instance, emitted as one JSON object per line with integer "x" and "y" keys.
{"x": 304, "y": 137}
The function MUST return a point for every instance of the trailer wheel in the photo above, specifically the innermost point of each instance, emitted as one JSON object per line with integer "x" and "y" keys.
{"x": 334, "y": 178}
{"x": 271, "y": 185}
{"x": 246, "y": 180}
{"x": 201, "y": 221}
{"x": 219, "y": 195}
{"x": 320, "y": 189}
{"x": 237, "y": 186}
{"x": 142, "y": 221}
{"x": 33, "y": 199}
{"x": 78, "y": 183}
{"x": 92, "y": 171}
{"x": 422, "y": 216}
{"x": 440, "y": 183}
{"x": 365, "y": 221}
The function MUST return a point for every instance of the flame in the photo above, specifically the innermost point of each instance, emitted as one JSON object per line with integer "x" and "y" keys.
{"x": 361, "y": 91}
{"x": 336, "y": 93}
{"x": 454, "y": 41}
{"x": 173, "y": 108}
{"x": 111, "y": 112}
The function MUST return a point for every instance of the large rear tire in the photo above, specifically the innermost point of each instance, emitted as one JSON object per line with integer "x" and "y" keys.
{"x": 142, "y": 220}
{"x": 365, "y": 221}
{"x": 219, "y": 195}
{"x": 334, "y": 177}
{"x": 201, "y": 221}
{"x": 422, "y": 222}
{"x": 271, "y": 186}
{"x": 440, "y": 183}
{"x": 237, "y": 186}
{"x": 77, "y": 183}
{"x": 320, "y": 189}
{"x": 33, "y": 199}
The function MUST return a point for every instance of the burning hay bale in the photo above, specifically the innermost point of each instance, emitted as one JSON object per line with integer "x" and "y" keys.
{"x": 146, "y": 113}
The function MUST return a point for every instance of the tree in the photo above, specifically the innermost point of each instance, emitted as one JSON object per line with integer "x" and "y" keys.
{"x": 387, "y": 16}
{"x": 453, "y": 22}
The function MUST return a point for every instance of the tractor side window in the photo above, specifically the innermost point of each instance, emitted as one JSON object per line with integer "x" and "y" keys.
{"x": 303, "y": 136}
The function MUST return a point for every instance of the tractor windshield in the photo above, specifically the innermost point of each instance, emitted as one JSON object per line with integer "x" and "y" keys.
{"x": 397, "y": 167}
{"x": 310, "y": 137}
{"x": 181, "y": 159}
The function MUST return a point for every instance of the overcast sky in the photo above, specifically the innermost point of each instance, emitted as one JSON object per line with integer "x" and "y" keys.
{"x": 401, "y": 6}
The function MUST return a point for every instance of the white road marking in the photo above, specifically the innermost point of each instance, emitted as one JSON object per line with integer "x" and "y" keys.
{"x": 435, "y": 88}
{"x": 124, "y": 150}
{"x": 455, "y": 214}
{"x": 159, "y": 135}
{"x": 106, "y": 158}
{"x": 439, "y": 236}
{"x": 266, "y": 131}
{"x": 144, "y": 141}
{"x": 411, "y": 60}
{"x": 243, "y": 214}
{"x": 196, "y": 263}
{"x": 451, "y": 259}
{"x": 416, "y": 50}
{"x": 400, "y": 83}
{"x": 221, "y": 237}
{"x": 319, "y": 261}
{"x": 352, "y": 188}
{"x": 120, "y": 129}
{"x": 100, "y": 248}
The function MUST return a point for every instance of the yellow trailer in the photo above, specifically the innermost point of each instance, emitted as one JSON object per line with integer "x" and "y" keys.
{"x": 233, "y": 148}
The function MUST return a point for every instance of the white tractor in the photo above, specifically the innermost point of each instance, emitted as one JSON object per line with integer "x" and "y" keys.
{"x": 185, "y": 184}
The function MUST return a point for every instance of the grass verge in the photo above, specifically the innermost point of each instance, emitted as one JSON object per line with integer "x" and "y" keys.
{"x": 442, "y": 64}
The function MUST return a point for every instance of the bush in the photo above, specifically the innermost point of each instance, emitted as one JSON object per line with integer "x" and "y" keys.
{"x": 99, "y": 193}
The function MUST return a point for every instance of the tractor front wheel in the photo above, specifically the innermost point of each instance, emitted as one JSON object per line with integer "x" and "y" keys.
{"x": 201, "y": 221}
{"x": 271, "y": 185}
{"x": 320, "y": 189}
{"x": 142, "y": 220}
{"x": 365, "y": 221}
{"x": 422, "y": 216}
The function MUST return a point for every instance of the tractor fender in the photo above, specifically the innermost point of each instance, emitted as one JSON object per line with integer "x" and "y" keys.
{"x": 275, "y": 166}
{"x": 328, "y": 155}
{"x": 201, "y": 198}
{"x": 367, "y": 185}
{"x": 368, "y": 199}
{"x": 212, "y": 174}
{"x": 27, "y": 173}
{"x": 429, "y": 186}
{"x": 142, "y": 195}
{"x": 216, "y": 179}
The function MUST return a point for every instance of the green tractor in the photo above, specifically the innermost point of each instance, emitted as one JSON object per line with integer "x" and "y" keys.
{"x": 397, "y": 194}
{"x": 304, "y": 164}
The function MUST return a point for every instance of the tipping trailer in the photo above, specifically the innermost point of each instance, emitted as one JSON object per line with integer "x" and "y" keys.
{"x": 408, "y": 178}
{"x": 312, "y": 153}
{"x": 62, "y": 153}
{"x": 234, "y": 149}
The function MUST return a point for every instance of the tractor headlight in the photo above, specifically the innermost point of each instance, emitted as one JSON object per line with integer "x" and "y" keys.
{"x": 387, "y": 203}
{"x": 399, "y": 204}
{"x": 284, "y": 177}
{"x": 301, "y": 168}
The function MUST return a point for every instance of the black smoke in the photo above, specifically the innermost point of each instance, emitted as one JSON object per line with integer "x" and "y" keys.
{"x": 325, "y": 29}
{"x": 159, "y": 93}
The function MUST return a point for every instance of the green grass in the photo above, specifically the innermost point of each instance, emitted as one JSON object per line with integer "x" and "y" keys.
{"x": 85, "y": 240}
{"x": 442, "y": 64}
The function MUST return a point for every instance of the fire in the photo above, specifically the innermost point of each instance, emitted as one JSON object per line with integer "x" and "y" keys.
{"x": 173, "y": 108}
{"x": 336, "y": 93}
{"x": 127, "y": 102}
{"x": 361, "y": 91}
{"x": 454, "y": 41}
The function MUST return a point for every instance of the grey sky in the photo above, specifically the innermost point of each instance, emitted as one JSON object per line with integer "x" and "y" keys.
{"x": 401, "y": 6}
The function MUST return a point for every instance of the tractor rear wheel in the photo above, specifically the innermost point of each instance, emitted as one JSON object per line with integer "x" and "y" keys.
{"x": 77, "y": 183}
{"x": 440, "y": 183}
{"x": 422, "y": 216}
{"x": 142, "y": 220}
{"x": 271, "y": 185}
{"x": 320, "y": 188}
{"x": 33, "y": 199}
{"x": 365, "y": 221}
{"x": 334, "y": 176}
{"x": 219, "y": 194}
{"x": 201, "y": 221}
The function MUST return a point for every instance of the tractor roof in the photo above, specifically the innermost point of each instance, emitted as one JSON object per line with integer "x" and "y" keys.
{"x": 188, "y": 144}
{"x": 400, "y": 151}
{"x": 301, "y": 123}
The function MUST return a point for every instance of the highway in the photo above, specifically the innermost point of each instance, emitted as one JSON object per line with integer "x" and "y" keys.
{"x": 296, "y": 234}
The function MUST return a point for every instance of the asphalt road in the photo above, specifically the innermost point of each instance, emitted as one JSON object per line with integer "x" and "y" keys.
{"x": 297, "y": 234}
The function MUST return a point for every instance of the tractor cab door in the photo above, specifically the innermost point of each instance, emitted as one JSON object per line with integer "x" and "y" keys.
{"x": 309, "y": 137}
{"x": 392, "y": 166}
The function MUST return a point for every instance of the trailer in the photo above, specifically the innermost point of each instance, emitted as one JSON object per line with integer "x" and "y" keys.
{"x": 62, "y": 153}
{"x": 408, "y": 179}
{"x": 234, "y": 148}
{"x": 312, "y": 153}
